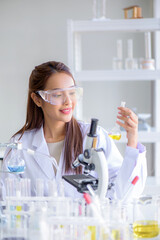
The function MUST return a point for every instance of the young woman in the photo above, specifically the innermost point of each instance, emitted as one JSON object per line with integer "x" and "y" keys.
{"x": 51, "y": 129}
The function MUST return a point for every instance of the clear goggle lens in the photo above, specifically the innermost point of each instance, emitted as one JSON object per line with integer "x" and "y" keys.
{"x": 59, "y": 96}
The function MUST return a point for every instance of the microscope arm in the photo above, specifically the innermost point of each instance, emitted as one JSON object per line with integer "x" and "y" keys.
{"x": 101, "y": 168}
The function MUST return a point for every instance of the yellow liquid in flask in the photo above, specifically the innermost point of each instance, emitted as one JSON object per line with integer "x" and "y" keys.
{"x": 115, "y": 136}
{"x": 145, "y": 229}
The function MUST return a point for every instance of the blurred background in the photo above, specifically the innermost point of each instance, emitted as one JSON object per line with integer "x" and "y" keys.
{"x": 35, "y": 31}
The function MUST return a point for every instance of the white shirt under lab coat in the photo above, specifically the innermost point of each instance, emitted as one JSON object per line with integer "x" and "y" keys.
{"x": 121, "y": 170}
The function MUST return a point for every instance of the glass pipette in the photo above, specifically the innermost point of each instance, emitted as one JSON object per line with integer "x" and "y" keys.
{"x": 115, "y": 132}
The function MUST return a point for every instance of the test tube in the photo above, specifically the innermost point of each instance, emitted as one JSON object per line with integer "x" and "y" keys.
{"x": 25, "y": 187}
{"x": 28, "y": 187}
{"x": 61, "y": 188}
{"x": 39, "y": 187}
{"x": 52, "y": 188}
{"x": 10, "y": 184}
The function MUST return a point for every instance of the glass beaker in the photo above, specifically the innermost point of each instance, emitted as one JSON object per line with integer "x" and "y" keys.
{"x": 145, "y": 217}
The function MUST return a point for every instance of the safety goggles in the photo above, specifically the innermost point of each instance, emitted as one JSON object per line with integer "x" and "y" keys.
{"x": 59, "y": 96}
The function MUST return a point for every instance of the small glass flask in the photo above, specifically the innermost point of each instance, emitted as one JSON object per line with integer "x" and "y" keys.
{"x": 115, "y": 132}
{"x": 16, "y": 163}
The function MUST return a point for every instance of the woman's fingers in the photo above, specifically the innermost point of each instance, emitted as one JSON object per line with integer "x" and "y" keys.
{"x": 129, "y": 121}
{"x": 127, "y": 112}
{"x": 127, "y": 115}
{"x": 128, "y": 125}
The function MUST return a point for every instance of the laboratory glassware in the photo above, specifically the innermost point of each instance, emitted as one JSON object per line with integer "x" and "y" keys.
{"x": 39, "y": 187}
{"x": 148, "y": 62}
{"x": 142, "y": 121}
{"x": 117, "y": 220}
{"x": 115, "y": 132}
{"x": 130, "y": 189}
{"x": 145, "y": 217}
{"x": 130, "y": 62}
{"x": 99, "y": 9}
{"x": 16, "y": 163}
{"x": 118, "y": 61}
{"x": 52, "y": 188}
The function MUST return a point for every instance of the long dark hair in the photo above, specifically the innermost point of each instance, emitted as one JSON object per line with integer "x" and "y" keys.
{"x": 35, "y": 117}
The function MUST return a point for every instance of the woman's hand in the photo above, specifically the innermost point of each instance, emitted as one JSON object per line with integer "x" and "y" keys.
{"x": 130, "y": 124}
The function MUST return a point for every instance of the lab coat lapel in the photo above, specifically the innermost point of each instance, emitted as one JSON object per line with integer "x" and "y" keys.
{"x": 41, "y": 147}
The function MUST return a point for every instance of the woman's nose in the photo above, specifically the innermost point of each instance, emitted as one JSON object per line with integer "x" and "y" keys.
{"x": 67, "y": 99}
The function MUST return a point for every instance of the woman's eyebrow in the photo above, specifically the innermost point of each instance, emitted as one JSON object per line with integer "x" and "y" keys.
{"x": 62, "y": 88}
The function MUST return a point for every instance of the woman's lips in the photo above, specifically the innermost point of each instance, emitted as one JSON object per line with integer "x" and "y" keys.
{"x": 66, "y": 110}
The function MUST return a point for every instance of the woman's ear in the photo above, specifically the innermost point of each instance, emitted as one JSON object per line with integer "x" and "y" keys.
{"x": 36, "y": 99}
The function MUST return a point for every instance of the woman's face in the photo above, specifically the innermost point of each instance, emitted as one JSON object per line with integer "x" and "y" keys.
{"x": 63, "y": 112}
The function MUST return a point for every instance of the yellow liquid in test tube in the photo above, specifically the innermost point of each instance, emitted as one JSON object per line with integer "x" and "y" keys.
{"x": 145, "y": 229}
{"x": 18, "y": 217}
{"x": 93, "y": 232}
{"x": 116, "y": 234}
{"x": 114, "y": 136}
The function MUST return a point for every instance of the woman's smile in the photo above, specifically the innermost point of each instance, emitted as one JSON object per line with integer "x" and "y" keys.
{"x": 66, "y": 110}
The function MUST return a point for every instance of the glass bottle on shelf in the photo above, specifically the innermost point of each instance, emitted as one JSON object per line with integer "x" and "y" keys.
{"x": 118, "y": 61}
{"x": 99, "y": 10}
{"x": 130, "y": 62}
{"x": 148, "y": 62}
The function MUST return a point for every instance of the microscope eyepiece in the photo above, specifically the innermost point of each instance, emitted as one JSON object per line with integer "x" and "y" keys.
{"x": 93, "y": 127}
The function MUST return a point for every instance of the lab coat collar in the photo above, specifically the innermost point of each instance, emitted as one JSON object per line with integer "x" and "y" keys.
{"x": 40, "y": 144}
{"x": 38, "y": 139}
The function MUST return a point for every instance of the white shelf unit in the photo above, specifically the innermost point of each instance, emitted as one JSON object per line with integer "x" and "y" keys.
{"x": 119, "y": 75}
{"x": 130, "y": 25}
{"x": 76, "y": 28}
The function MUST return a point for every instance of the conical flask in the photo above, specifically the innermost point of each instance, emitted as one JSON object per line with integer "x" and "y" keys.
{"x": 16, "y": 163}
{"x": 115, "y": 132}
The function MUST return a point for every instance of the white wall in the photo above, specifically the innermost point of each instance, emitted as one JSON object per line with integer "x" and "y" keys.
{"x": 34, "y": 31}
{"x": 31, "y": 32}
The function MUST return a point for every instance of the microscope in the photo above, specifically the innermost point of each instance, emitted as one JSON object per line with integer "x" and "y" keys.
{"x": 92, "y": 159}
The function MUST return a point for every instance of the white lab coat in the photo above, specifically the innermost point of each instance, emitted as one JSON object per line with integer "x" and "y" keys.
{"x": 121, "y": 171}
